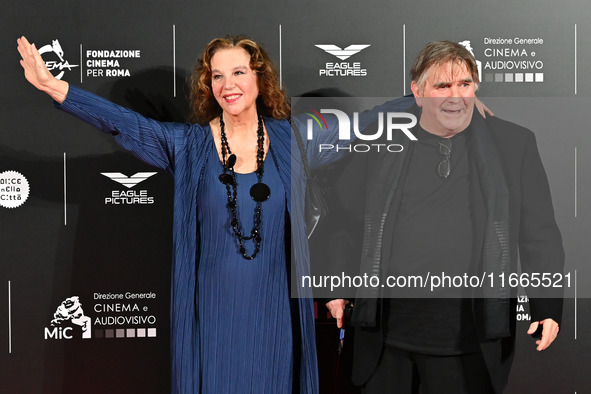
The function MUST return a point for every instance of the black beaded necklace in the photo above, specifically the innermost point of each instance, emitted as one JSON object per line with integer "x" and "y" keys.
{"x": 259, "y": 192}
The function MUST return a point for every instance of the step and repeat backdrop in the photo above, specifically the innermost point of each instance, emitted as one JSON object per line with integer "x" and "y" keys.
{"x": 85, "y": 228}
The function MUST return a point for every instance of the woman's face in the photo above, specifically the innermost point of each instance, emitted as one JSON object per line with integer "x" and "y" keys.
{"x": 233, "y": 82}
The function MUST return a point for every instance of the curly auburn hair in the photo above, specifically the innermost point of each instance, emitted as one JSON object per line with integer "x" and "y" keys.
{"x": 272, "y": 100}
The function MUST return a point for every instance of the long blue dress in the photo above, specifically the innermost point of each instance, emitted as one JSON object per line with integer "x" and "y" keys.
{"x": 244, "y": 319}
{"x": 184, "y": 150}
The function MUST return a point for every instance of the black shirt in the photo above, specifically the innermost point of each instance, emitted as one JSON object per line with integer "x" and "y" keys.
{"x": 432, "y": 233}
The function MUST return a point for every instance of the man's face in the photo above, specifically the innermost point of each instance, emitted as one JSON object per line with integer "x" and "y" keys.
{"x": 446, "y": 98}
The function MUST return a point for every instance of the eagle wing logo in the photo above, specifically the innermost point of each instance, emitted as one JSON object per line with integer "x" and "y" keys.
{"x": 126, "y": 181}
{"x": 343, "y": 54}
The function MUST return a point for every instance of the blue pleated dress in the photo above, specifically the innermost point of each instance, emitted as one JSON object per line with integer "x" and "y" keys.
{"x": 244, "y": 316}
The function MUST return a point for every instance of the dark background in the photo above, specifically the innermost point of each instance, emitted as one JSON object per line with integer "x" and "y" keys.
{"x": 51, "y": 249}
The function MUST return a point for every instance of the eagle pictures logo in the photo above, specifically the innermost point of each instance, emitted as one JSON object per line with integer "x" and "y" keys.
{"x": 129, "y": 197}
{"x": 130, "y": 181}
{"x": 342, "y": 68}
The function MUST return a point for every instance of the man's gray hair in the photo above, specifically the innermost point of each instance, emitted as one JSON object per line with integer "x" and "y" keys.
{"x": 440, "y": 52}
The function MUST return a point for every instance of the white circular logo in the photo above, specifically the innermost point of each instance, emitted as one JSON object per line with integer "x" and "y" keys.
{"x": 58, "y": 64}
{"x": 14, "y": 189}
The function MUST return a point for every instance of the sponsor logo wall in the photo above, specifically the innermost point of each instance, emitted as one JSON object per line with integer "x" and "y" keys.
{"x": 85, "y": 229}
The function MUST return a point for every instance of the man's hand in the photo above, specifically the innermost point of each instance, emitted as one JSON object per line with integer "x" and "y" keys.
{"x": 337, "y": 310}
{"x": 549, "y": 332}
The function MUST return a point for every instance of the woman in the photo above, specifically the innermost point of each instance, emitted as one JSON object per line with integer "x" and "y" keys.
{"x": 229, "y": 241}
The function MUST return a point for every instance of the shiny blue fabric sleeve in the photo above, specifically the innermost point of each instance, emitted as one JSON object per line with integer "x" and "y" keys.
{"x": 153, "y": 142}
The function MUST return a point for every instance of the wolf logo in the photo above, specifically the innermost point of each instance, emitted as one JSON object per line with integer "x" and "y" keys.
{"x": 56, "y": 48}
{"x": 466, "y": 44}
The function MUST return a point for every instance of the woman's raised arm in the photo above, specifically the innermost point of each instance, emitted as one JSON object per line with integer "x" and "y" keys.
{"x": 152, "y": 141}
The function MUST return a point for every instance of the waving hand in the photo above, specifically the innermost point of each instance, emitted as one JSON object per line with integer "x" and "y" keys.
{"x": 37, "y": 73}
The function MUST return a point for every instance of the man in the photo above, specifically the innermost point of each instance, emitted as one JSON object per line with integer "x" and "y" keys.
{"x": 468, "y": 196}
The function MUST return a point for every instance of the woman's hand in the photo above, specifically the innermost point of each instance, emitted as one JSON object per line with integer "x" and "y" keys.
{"x": 37, "y": 73}
{"x": 482, "y": 109}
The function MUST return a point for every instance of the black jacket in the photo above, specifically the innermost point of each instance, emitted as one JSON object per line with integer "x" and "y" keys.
{"x": 533, "y": 235}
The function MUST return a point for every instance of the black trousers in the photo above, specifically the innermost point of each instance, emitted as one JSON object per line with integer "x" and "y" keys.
{"x": 402, "y": 372}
